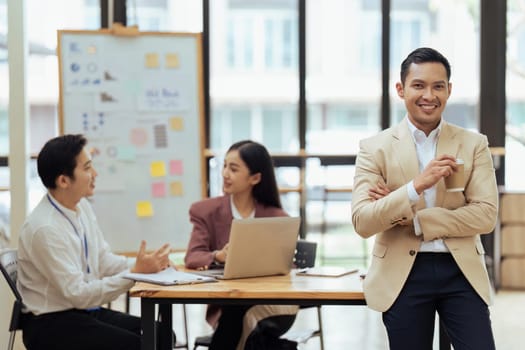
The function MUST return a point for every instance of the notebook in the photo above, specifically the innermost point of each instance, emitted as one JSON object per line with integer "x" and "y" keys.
{"x": 259, "y": 247}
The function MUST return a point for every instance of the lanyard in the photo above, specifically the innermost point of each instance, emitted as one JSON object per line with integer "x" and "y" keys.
{"x": 76, "y": 231}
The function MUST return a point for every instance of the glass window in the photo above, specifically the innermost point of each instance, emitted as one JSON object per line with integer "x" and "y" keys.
{"x": 165, "y": 15}
{"x": 343, "y": 83}
{"x": 276, "y": 121}
{"x": 451, "y": 27}
{"x": 240, "y": 41}
{"x": 253, "y": 64}
{"x": 410, "y": 27}
{"x": 4, "y": 131}
{"x": 515, "y": 91}
{"x": 280, "y": 53}
{"x": 240, "y": 124}
{"x": 370, "y": 46}
{"x": 44, "y": 18}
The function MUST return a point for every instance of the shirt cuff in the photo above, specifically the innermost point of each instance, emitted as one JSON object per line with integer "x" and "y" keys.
{"x": 417, "y": 226}
{"x": 412, "y": 193}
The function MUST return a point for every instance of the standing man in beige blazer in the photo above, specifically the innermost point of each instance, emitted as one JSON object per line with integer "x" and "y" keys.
{"x": 428, "y": 255}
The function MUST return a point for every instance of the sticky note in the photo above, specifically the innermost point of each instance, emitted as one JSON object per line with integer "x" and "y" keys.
{"x": 152, "y": 60}
{"x": 176, "y": 188}
{"x": 158, "y": 189}
{"x": 144, "y": 209}
{"x": 126, "y": 153}
{"x": 176, "y": 123}
{"x": 176, "y": 167}
{"x": 157, "y": 169}
{"x": 138, "y": 136}
{"x": 172, "y": 60}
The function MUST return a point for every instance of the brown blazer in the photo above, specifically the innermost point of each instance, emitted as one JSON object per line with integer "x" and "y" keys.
{"x": 212, "y": 219}
{"x": 458, "y": 217}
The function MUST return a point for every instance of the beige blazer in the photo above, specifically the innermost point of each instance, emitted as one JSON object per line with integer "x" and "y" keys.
{"x": 458, "y": 217}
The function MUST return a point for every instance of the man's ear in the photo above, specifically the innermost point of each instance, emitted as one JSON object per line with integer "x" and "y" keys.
{"x": 399, "y": 89}
{"x": 63, "y": 181}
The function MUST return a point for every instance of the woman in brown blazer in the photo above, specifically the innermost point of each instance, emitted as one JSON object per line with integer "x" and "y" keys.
{"x": 250, "y": 190}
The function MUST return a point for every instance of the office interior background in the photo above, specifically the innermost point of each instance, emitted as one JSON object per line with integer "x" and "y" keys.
{"x": 300, "y": 76}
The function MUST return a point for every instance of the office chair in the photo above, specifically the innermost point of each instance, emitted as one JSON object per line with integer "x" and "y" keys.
{"x": 8, "y": 265}
{"x": 305, "y": 253}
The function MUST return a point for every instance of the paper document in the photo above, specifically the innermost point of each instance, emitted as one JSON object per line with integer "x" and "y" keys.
{"x": 169, "y": 276}
{"x": 326, "y": 271}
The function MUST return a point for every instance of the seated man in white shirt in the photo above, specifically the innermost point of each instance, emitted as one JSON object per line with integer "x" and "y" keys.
{"x": 65, "y": 267}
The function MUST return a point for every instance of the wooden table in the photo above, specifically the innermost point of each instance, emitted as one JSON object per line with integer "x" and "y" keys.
{"x": 286, "y": 290}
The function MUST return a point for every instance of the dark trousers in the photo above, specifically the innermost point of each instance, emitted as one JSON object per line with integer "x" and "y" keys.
{"x": 265, "y": 335}
{"x": 229, "y": 329}
{"x": 102, "y": 329}
{"x": 436, "y": 284}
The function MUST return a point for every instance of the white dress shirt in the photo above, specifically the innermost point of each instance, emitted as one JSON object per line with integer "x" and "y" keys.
{"x": 235, "y": 212}
{"x": 426, "y": 151}
{"x": 64, "y": 262}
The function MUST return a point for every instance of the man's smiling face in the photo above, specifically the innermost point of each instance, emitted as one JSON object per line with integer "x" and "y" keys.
{"x": 425, "y": 90}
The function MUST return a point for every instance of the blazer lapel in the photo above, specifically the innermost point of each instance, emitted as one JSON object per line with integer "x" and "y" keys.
{"x": 406, "y": 154}
{"x": 448, "y": 143}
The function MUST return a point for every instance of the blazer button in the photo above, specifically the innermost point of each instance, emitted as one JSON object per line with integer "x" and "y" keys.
{"x": 412, "y": 252}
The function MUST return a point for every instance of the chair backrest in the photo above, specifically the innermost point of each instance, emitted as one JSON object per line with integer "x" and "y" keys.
{"x": 8, "y": 266}
{"x": 305, "y": 254}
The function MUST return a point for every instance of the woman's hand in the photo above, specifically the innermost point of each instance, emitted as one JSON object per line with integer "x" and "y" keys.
{"x": 221, "y": 255}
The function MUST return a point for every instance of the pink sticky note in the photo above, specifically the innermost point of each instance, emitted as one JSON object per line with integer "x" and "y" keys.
{"x": 176, "y": 167}
{"x": 158, "y": 189}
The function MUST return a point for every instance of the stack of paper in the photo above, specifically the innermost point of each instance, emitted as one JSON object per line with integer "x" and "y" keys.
{"x": 326, "y": 271}
{"x": 169, "y": 276}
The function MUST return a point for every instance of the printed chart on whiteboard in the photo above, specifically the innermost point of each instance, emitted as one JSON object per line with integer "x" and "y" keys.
{"x": 138, "y": 101}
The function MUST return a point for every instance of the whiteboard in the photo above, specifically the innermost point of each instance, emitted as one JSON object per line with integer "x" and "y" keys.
{"x": 138, "y": 101}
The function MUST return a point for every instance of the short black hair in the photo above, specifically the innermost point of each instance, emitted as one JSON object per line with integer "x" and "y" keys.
{"x": 423, "y": 55}
{"x": 59, "y": 157}
{"x": 258, "y": 160}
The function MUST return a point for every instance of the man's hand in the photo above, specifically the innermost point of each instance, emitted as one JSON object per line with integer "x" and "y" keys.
{"x": 152, "y": 262}
{"x": 438, "y": 168}
{"x": 379, "y": 191}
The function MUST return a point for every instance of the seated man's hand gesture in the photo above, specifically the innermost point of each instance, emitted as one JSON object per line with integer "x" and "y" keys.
{"x": 152, "y": 262}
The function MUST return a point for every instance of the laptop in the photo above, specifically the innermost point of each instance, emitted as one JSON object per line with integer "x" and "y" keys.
{"x": 259, "y": 247}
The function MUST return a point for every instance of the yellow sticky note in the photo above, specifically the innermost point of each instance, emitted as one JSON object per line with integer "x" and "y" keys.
{"x": 176, "y": 123}
{"x": 172, "y": 60}
{"x": 157, "y": 169}
{"x": 176, "y": 188}
{"x": 152, "y": 60}
{"x": 144, "y": 209}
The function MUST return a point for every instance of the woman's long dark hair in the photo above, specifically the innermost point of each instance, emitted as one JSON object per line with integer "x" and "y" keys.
{"x": 258, "y": 160}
